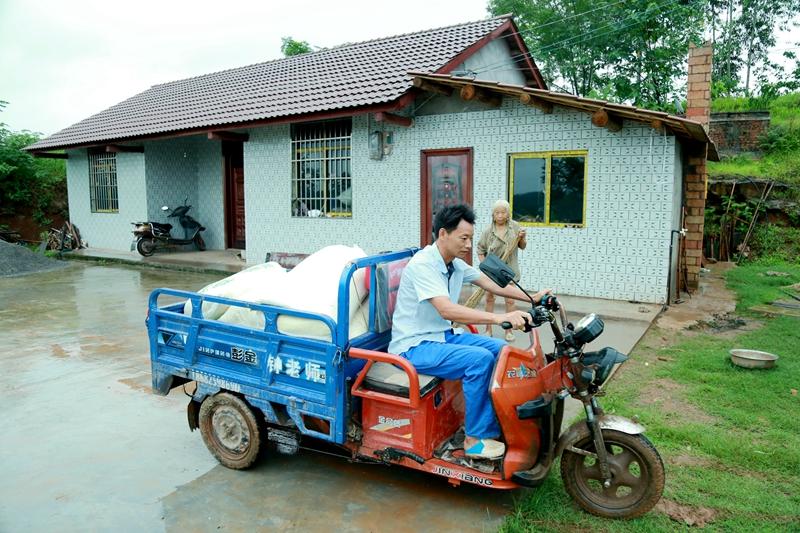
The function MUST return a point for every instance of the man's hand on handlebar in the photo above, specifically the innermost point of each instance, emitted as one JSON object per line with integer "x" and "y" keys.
{"x": 541, "y": 294}
{"x": 517, "y": 319}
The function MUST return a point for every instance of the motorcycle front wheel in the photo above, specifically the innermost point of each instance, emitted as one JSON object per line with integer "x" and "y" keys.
{"x": 199, "y": 242}
{"x": 637, "y": 476}
{"x": 146, "y": 247}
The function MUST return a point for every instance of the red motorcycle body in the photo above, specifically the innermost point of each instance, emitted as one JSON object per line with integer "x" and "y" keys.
{"x": 408, "y": 427}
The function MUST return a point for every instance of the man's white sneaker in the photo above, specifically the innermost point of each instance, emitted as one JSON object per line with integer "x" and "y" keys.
{"x": 486, "y": 449}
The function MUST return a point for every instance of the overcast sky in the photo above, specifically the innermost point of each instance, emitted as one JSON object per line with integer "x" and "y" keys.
{"x": 64, "y": 60}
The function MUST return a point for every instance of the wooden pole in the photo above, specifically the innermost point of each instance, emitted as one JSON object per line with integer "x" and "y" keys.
{"x": 764, "y": 195}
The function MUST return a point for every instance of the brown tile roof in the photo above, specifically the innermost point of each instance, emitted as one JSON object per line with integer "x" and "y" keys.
{"x": 349, "y": 76}
{"x": 676, "y": 125}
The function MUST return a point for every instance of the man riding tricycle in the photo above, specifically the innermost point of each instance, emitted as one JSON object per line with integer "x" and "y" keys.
{"x": 410, "y": 390}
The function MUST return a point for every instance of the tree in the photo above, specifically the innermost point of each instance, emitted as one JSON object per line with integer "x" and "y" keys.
{"x": 635, "y": 50}
{"x": 25, "y": 180}
{"x": 650, "y": 48}
{"x": 746, "y": 35}
{"x": 290, "y": 47}
{"x": 550, "y": 30}
{"x": 757, "y": 24}
{"x": 629, "y": 51}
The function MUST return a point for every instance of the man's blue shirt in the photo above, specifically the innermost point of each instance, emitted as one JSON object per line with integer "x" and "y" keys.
{"x": 426, "y": 276}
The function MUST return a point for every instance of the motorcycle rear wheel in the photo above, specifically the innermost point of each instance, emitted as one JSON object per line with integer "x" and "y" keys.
{"x": 146, "y": 247}
{"x": 637, "y": 476}
{"x": 199, "y": 242}
{"x": 230, "y": 430}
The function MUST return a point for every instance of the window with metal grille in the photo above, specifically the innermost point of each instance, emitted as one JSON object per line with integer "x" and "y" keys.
{"x": 548, "y": 188}
{"x": 103, "y": 182}
{"x": 321, "y": 180}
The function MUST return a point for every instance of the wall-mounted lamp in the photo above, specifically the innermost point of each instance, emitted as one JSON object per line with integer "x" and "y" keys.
{"x": 388, "y": 142}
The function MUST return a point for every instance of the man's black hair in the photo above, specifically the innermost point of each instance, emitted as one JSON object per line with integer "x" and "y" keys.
{"x": 449, "y": 218}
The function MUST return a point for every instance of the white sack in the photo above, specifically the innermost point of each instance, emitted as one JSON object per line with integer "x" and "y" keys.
{"x": 250, "y": 285}
{"x": 312, "y": 286}
{"x": 299, "y": 327}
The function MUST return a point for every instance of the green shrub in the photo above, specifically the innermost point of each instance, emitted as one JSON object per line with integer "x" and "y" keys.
{"x": 783, "y": 167}
{"x": 28, "y": 181}
{"x": 780, "y": 139}
{"x": 775, "y": 243}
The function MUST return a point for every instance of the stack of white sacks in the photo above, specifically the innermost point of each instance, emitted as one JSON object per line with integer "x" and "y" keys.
{"x": 312, "y": 286}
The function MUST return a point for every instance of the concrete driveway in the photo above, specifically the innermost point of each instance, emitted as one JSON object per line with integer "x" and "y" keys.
{"x": 87, "y": 447}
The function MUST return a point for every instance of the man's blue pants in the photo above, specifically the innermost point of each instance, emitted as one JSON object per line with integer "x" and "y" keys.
{"x": 469, "y": 358}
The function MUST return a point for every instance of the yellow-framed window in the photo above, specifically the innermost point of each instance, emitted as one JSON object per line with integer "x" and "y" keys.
{"x": 548, "y": 188}
{"x": 321, "y": 176}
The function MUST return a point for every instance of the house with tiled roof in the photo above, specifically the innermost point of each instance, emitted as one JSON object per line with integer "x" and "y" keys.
{"x": 363, "y": 143}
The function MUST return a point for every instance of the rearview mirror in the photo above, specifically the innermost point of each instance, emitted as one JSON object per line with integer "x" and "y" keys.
{"x": 497, "y": 270}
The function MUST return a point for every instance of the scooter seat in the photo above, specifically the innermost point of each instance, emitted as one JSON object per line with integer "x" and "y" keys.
{"x": 387, "y": 378}
{"x": 165, "y": 227}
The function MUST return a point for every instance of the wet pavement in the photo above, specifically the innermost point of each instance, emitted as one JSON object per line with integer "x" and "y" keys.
{"x": 225, "y": 262}
{"x": 87, "y": 446}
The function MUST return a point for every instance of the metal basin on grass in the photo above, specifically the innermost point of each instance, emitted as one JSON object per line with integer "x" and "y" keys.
{"x": 753, "y": 358}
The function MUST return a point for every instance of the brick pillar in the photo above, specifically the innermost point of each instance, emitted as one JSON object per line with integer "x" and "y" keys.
{"x": 694, "y": 194}
{"x": 695, "y": 185}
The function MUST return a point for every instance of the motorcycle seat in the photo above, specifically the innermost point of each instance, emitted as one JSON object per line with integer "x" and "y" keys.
{"x": 387, "y": 378}
{"x": 159, "y": 225}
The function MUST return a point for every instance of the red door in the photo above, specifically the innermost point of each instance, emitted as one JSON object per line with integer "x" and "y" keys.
{"x": 446, "y": 180}
{"x": 233, "y": 153}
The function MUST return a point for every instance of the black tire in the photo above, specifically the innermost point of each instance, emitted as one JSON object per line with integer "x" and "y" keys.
{"x": 146, "y": 247}
{"x": 199, "y": 243}
{"x": 637, "y": 476}
{"x": 230, "y": 430}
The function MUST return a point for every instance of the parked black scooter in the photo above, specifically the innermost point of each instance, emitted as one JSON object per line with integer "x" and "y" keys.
{"x": 148, "y": 236}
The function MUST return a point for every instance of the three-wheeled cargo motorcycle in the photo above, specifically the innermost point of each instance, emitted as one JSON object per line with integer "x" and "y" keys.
{"x": 260, "y": 389}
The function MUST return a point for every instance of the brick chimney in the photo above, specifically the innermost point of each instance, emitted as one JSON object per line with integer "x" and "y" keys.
{"x": 695, "y": 185}
{"x": 698, "y": 99}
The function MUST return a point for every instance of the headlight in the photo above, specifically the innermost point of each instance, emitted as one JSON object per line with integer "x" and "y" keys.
{"x": 588, "y": 329}
{"x": 604, "y": 360}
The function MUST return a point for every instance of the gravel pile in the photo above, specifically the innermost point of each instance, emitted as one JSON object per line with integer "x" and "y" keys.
{"x": 16, "y": 260}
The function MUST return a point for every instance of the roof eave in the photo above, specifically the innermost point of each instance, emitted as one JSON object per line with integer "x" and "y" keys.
{"x": 392, "y": 105}
{"x": 680, "y": 126}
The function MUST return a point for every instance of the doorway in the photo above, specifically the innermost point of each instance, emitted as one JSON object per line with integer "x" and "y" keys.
{"x": 233, "y": 155}
{"x": 446, "y": 179}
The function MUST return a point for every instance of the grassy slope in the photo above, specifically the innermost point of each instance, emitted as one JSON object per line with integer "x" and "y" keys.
{"x": 729, "y": 437}
{"x": 784, "y": 114}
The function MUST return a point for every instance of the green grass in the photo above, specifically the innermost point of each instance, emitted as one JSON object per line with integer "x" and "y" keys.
{"x": 736, "y": 166}
{"x": 732, "y": 104}
{"x": 784, "y": 111}
{"x": 734, "y": 446}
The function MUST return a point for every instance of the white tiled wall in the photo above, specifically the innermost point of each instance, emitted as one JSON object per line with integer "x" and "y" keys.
{"x": 187, "y": 168}
{"x": 622, "y": 252}
{"x": 168, "y": 172}
{"x": 107, "y": 230}
{"x": 210, "y": 210}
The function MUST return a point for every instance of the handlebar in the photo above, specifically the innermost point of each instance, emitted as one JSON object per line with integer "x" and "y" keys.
{"x": 541, "y": 313}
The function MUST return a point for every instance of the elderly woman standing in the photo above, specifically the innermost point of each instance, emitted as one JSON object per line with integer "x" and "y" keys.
{"x": 496, "y": 239}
